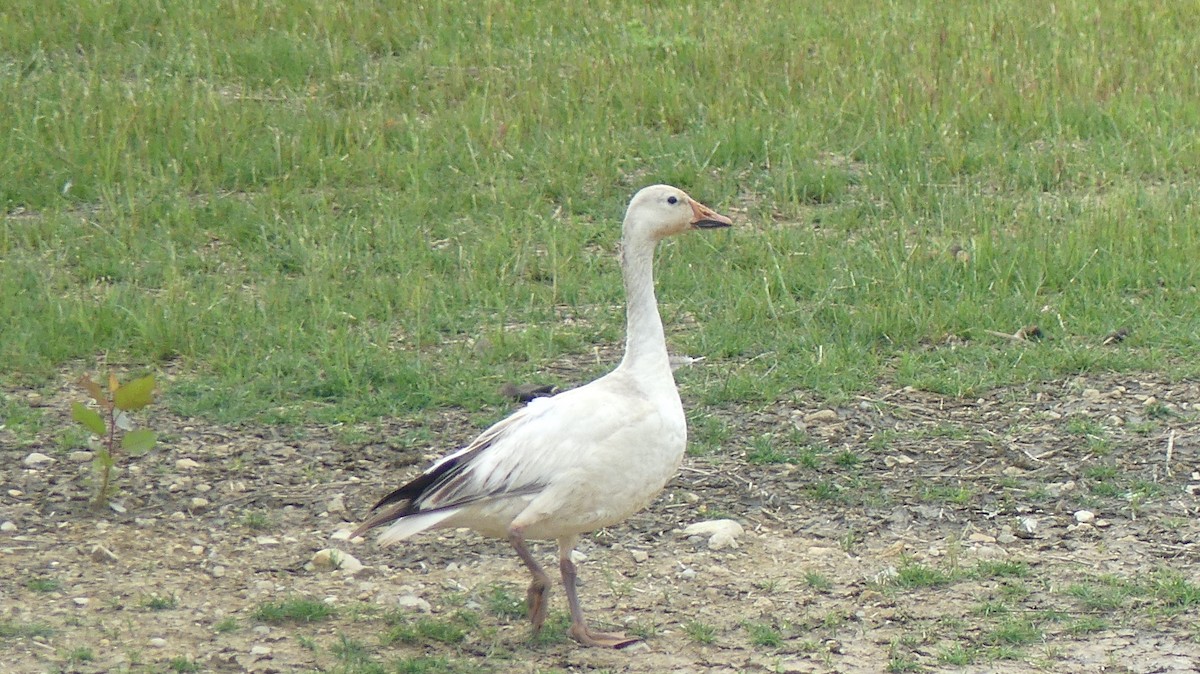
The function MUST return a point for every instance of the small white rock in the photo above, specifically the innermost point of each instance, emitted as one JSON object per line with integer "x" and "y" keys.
{"x": 413, "y": 603}
{"x": 639, "y": 556}
{"x": 578, "y": 557}
{"x": 81, "y": 456}
{"x": 1028, "y": 525}
{"x": 37, "y": 459}
{"x": 266, "y": 540}
{"x": 721, "y": 533}
{"x": 102, "y": 555}
{"x": 81, "y": 601}
{"x": 687, "y": 574}
{"x": 7, "y": 526}
{"x": 260, "y": 650}
{"x": 1085, "y": 516}
{"x": 186, "y": 464}
{"x": 336, "y": 505}
{"x": 158, "y": 642}
{"x": 332, "y": 559}
{"x": 198, "y": 504}
{"x": 217, "y": 571}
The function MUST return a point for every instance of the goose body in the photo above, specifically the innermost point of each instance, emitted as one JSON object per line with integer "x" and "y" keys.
{"x": 578, "y": 461}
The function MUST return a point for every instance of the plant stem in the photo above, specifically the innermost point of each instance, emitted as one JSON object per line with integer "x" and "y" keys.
{"x": 106, "y": 467}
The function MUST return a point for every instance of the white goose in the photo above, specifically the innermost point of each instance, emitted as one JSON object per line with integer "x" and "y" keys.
{"x": 580, "y": 460}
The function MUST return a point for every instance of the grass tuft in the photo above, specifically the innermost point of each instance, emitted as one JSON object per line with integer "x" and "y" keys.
{"x": 295, "y": 610}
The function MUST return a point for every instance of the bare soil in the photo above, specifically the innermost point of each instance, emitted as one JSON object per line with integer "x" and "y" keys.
{"x": 844, "y": 511}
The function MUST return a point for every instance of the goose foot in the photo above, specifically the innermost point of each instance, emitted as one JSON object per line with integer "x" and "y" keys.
{"x": 581, "y": 633}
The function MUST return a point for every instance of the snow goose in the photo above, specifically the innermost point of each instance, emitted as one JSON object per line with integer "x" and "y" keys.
{"x": 577, "y": 461}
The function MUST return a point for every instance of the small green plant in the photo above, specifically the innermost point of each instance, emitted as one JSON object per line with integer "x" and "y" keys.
{"x": 1087, "y": 624}
{"x": 1014, "y": 632}
{"x": 182, "y": 664}
{"x": 503, "y": 602}
{"x": 700, "y": 632}
{"x": 43, "y": 584}
{"x": 225, "y": 625}
{"x": 915, "y": 574}
{"x": 256, "y": 520}
{"x": 817, "y": 581}
{"x": 1001, "y": 569}
{"x": 81, "y": 654}
{"x": 115, "y": 406}
{"x": 297, "y": 610}
{"x": 847, "y": 459}
{"x": 157, "y": 603}
{"x": 762, "y": 634}
{"x": 957, "y": 655}
{"x": 447, "y": 631}
{"x": 10, "y": 629}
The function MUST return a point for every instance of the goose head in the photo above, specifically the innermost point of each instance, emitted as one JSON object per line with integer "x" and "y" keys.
{"x": 659, "y": 211}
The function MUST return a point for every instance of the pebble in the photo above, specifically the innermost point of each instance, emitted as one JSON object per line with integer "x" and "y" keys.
{"x": 578, "y": 557}
{"x": 639, "y": 556}
{"x": 16, "y": 493}
{"x": 821, "y": 417}
{"x": 217, "y": 571}
{"x": 198, "y": 504}
{"x": 102, "y": 555}
{"x": 978, "y": 537}
{"x": 81, "y": 456}
{"x": 266, "y": 540}
{"x": 260, "y": 650}
{"x": 7, "y": 526}
{"x": 332, "y": 559}
{"x": 1085, "y": 516}
{"x": 186, "y": 464}
{"x": 1056, "y": 489}
{"x": 158, "y": 642}
{"x": 413, "y": 603}
{"x": 1027, "y": 527}
{"x": 81, "y": 601}
{"x": 336, "y": 506}
{"x": 687, "y": 574}
{"x": 721, "y": 533}
{"x": 37, "y": 459}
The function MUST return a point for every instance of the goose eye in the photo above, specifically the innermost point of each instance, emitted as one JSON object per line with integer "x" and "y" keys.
{"x": 672, "y": 200}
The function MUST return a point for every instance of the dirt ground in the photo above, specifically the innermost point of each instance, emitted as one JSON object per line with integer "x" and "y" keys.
{"x": 903, "y": 531}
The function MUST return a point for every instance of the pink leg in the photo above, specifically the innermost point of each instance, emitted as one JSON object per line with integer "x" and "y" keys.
{"x": 579, "y": 629}
{"x": 539, "y": 588}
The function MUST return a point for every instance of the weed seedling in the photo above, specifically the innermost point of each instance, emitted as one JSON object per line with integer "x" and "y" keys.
{"x": 700, "y": 632}
{"x": 294, "y": 611}
{"x": 115, "y": 406}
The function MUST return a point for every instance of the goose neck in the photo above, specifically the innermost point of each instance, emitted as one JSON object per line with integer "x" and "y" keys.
{"x": 645, "y": 341}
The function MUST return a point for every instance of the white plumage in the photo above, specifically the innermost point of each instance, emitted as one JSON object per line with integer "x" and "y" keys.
{"x": 580, "y": 460}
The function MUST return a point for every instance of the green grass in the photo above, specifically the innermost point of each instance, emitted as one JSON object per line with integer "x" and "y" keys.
{"x": 157, "y": 603}
{"x": 44, "y": 584}
{"x": 294, "y": 610}
{"x": 19, "y": 630}
{"x": 764, "y": 634}
{"x": 351, "y": 179}
{"x": 182, "y": 664}
{"x": 912, "y": 574}
{"x": 701, "y": 633}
